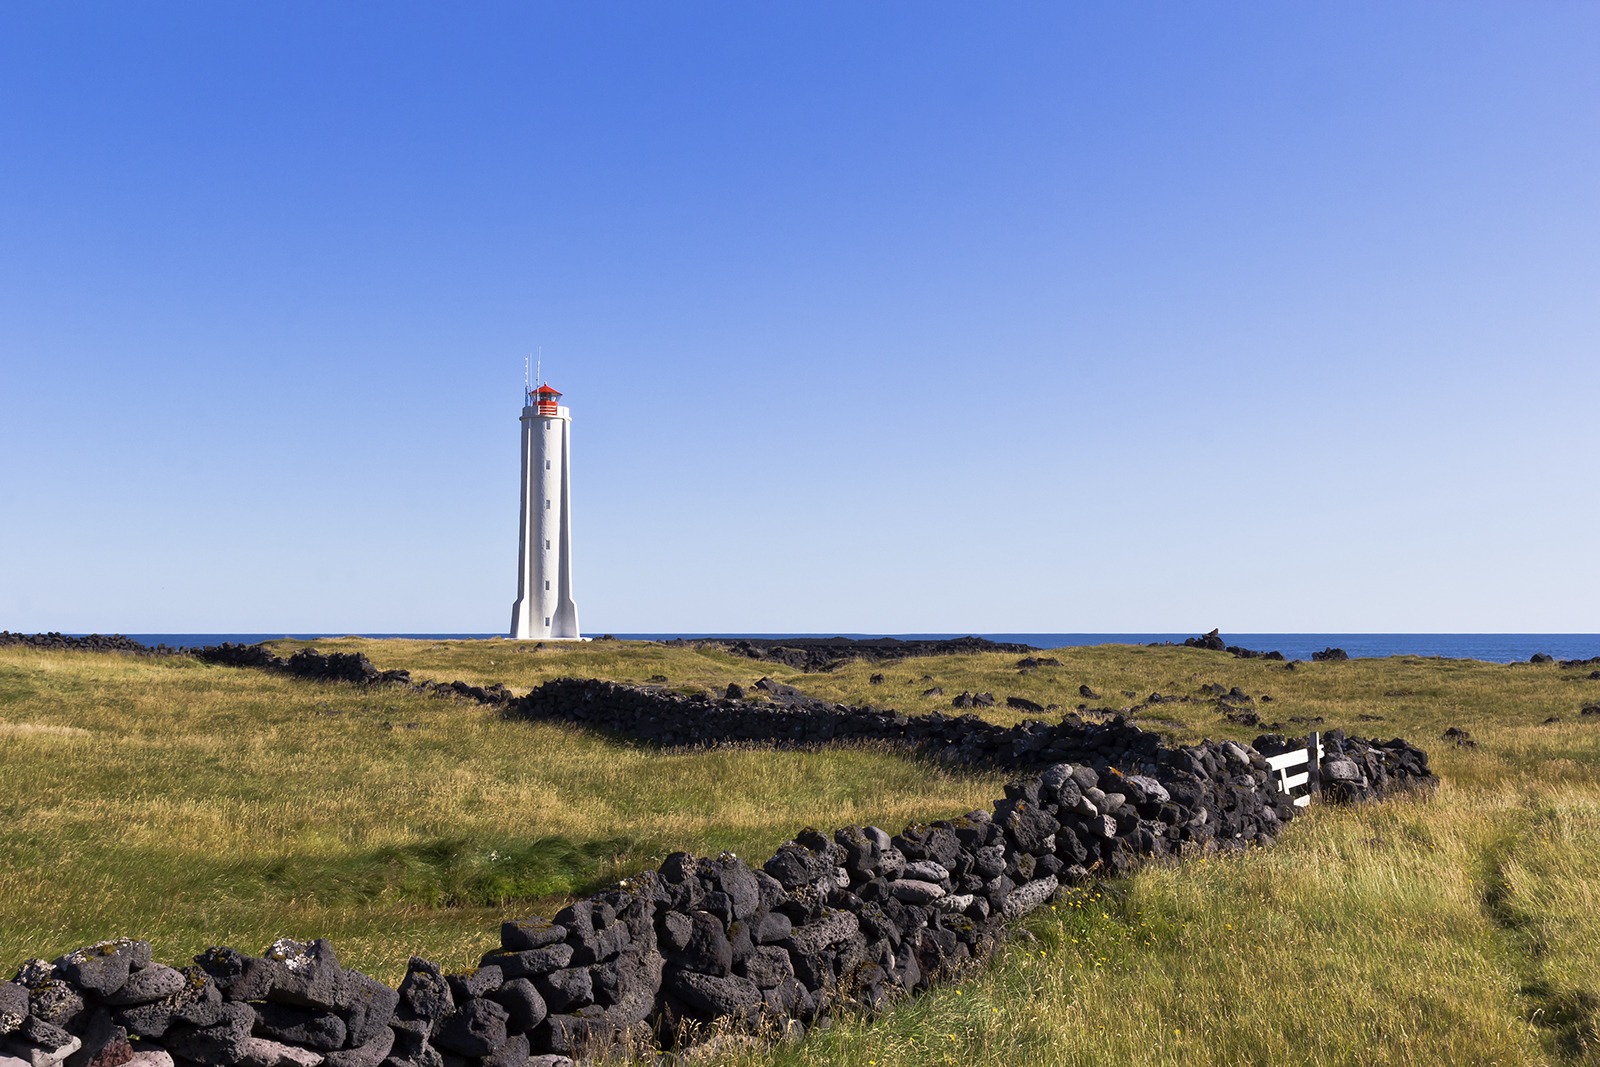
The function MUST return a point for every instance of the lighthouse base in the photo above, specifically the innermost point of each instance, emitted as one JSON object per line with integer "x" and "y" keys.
{"x": 564, "y": 617}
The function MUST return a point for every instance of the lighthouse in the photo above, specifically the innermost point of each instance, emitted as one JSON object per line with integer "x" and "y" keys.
{"x": 544, "y": 607}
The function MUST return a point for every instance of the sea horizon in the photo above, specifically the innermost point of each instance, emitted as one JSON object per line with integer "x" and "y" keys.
{"x": 1489, "y": 647}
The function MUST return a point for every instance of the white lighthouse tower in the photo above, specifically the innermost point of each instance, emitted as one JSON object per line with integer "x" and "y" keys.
{"x": 544, "y": 607}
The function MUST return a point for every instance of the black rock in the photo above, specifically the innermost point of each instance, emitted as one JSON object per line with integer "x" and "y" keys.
{"x": 733, "y": 877}
{"x": 569, "y": 1035}
{"x": 674, "y": 930}
{"x": 13, "y": 1006}
{"x": 922, "y": 841}
{"x": 1025, "y": 791}
{"x": 198, "y": 1004}
{"x": 224, "y": 965}
{"x": 767, "y": 927}
{"x": 300, "y": 1026}
{"x": 514, "y": 1053}
{"x": 368, "y": 1054}
{"x": 525, "y": 1008}
{"x": 794, "y": 865}
{"x": 532, "y": 962}
{"x": 1029, "y": 826}
{"x": 47, "y": 1037}
{"x": 713, "y": 995}
{"x": 366, "y": 1005}
{"x": 223, "y": 1043}
{"x": 34, "y": 973}
{"x": 101, "y": 1042}
{"x": 1212, "y": 641}
{"x": 526, "y": 934}
{"x": 424, "y": 994}
{"x": 474, "y": 983}
{"x": 302, "y": 974}
{"x": 144, "y": 986}
{"x": 708, "y": 950}
{"x": 777, "y": 689}
{"x": 566, "y": 989}
{"x": 58, "y": 1003}
{"x": 101, "y": 969}
{"x": 411, "y": 1047}
{"x": 477, "y": 1028}
{"x": 767, "y": 967}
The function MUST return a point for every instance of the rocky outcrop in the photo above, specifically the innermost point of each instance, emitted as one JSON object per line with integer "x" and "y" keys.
{"x": 787, "y": 718}
{"x": 89, "y": 643}
{"x": 1214, "y": 642}
{"x": 306, "y": 663}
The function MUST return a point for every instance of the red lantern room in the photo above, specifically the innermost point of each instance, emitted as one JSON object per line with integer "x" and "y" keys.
{"x": 544, "y": 399}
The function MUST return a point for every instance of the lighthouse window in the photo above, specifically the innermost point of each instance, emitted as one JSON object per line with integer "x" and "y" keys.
{"x": 547, "y": 585}
{"x": 546, "y": 464}
{"x": 547, "y": 620}
{"x": 547, "y": 505}
{"x": 547, "y": 424}
{"x": 547, "y": 546}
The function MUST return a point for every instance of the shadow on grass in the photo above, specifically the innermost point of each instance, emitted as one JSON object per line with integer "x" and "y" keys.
{"x": 457, "y": 872}
{"x": 1568, "y": 1018}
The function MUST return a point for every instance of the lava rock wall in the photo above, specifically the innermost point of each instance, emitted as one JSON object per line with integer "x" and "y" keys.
{"x": 89, "y": 643}
{"x": 848, "y": 919}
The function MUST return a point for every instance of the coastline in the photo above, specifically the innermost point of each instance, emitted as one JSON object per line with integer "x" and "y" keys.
{"x": 1487, "y": 647}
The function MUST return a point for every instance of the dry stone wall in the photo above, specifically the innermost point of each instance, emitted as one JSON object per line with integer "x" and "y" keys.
{"x": 89, "y": 643}
{"x": 847, "y": 919}
{"x": 814, "y": 654}
{"x": 786, "y": 717}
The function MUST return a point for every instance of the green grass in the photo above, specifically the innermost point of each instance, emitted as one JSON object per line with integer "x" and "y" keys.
{"x": 199, "y": 805}
{"x": 196, "y": 805}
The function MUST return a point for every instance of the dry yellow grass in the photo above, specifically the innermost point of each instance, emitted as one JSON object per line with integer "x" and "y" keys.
{"x": 198, "y": 805}
{"x": 1365, "y": 937}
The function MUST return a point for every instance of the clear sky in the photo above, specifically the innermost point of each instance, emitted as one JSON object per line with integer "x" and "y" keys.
{"x": 872, "y": 317}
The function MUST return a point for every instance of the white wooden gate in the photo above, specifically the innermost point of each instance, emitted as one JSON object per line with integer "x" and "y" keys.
{"x": 1308, "y": 777}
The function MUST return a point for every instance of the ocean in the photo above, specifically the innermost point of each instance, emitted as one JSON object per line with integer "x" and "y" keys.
{"x": 1494, "y": 648}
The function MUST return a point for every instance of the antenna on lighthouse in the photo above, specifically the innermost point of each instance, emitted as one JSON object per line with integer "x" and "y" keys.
{"x": 540, "y": 374}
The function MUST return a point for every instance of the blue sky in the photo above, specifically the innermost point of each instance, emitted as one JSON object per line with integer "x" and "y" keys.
{"x": 872, "y": 317}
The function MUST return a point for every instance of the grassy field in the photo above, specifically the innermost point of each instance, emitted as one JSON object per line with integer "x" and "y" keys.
{"x": 198, "y": 805}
